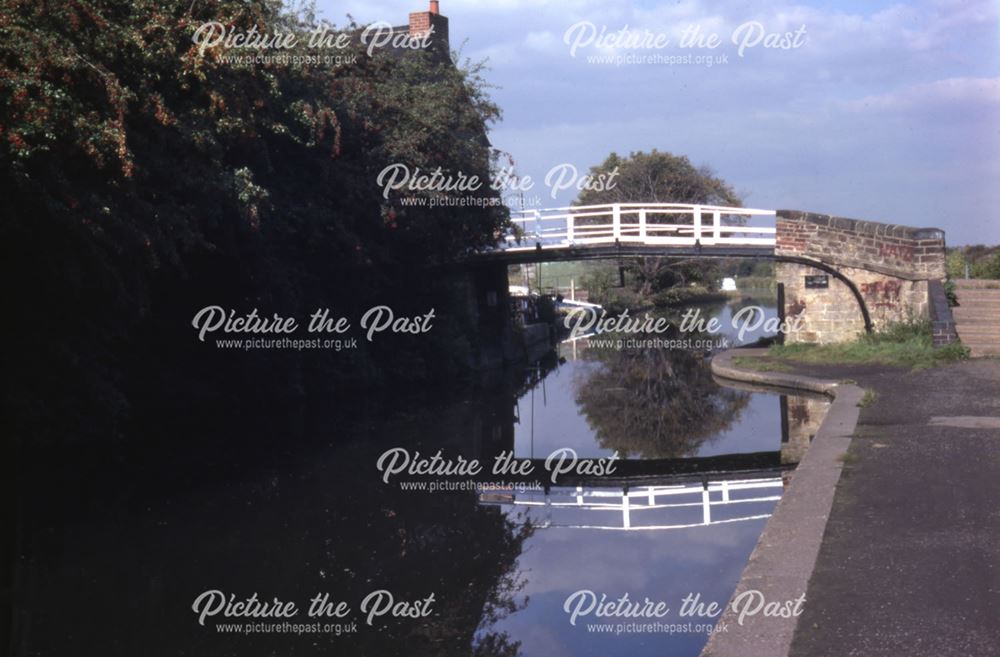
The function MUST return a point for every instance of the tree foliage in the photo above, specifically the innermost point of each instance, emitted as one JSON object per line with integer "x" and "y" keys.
{"x": 143, "y": 178}
{"x": 660, "y": 177}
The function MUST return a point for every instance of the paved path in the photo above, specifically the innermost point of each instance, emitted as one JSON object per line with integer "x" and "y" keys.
{"x": 910, "y": 561}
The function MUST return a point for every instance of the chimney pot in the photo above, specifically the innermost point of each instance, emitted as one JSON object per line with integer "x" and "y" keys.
{"x": 434, "y": 7}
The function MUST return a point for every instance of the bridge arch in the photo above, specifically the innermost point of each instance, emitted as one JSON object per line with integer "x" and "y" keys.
{"x": 832, "y": 271}
{"x": 887, "y": 272}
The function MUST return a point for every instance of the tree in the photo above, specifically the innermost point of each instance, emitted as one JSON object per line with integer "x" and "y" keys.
{"x": 145, "y": 178}
{"x": 660, "y": 177}
{"x": 988, "y": 267}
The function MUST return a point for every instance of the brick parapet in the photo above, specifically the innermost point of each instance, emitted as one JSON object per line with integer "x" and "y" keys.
{"x": 901, "y": 251}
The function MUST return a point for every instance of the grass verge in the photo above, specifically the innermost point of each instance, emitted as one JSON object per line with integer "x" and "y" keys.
{"x": 869, "y": 398}
{"x": 760, "y": 365}
{"x": 903, "y": 344}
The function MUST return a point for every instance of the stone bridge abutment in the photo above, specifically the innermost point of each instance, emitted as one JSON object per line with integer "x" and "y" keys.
{"x": 842, "y": 276}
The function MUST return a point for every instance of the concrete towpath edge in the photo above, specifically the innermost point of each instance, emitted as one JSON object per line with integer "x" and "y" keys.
{"x": 783, "y": 560}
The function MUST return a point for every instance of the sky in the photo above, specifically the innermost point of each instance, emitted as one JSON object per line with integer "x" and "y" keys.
{"x": 885, "y": 111}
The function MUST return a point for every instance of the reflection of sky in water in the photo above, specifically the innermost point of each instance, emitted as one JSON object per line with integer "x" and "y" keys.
{"x": 751, "y": 321}
{"x": 757, "y": 430}
{"x": 660, "y": 565}
{"x": 550, "y": 418}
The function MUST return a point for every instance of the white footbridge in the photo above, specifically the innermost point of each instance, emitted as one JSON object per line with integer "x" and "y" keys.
{"x": 640, "y": 224}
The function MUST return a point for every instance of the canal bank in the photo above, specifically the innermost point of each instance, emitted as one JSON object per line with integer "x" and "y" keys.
{"x": 907, "y": 560}
{"x": 287, "y": 502}
{"x": 781, "y": 564}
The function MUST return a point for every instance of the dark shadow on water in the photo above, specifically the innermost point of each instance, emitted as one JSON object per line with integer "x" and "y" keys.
{"x": 115, "y": 542}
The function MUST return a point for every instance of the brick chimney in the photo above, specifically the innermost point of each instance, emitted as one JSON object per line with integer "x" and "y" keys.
{"x": 421, "y": 22}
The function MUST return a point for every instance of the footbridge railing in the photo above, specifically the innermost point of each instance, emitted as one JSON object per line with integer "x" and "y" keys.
{"x": 646, "y": 508}
{"x": 653, "y": 224}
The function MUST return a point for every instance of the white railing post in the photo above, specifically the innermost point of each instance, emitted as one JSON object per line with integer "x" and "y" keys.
{"x": 703, "y": 230}
{"x": 626, "y": 511}
{"x": 706, "y": 507}
{"x": 548, "y": 508}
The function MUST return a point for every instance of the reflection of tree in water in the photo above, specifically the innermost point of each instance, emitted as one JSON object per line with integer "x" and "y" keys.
{"x": 414, "y": 544}
{"x": 448, "y": 544}
{"x": 288, "y": 523}
{"x": 655, "y": 403}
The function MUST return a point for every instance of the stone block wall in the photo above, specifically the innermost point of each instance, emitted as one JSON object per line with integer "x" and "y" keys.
{"x": 889, "y": 265}
{"x": 832, "y": 314}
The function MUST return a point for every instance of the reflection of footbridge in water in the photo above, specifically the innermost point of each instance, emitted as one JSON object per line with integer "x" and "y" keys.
{"x": 643, "y": 508}
{"x": 799, "y": 415}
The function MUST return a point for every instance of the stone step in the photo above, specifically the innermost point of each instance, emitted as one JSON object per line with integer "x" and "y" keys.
{"x": 974, "y": 314}
{"x": 976, "y": 283}
{"x": 979, "y": 341}
{"x": 969, "y": 308}
{"x": 978, "y": 327}
{"x": 977, "y": 295}
{"x": 978, "y": 350}
{"x": 983, "y": 346}
{"x": 967, "y": 305}
{"x": 978, "y": 332}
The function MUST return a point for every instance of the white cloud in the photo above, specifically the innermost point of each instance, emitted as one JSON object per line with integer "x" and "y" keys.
{"x": 952, "y": 93}
{"x": 883, "y": 112}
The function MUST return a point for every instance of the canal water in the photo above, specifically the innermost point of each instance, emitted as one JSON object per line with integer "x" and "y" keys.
{"x": 290, "y": 504}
